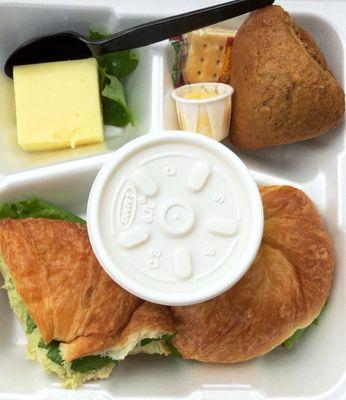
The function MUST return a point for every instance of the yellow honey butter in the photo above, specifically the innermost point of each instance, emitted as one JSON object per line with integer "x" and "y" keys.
{"x": 204, "y": 108}
{"x": 58, "y": 105}
{"x": 198, "y": 93}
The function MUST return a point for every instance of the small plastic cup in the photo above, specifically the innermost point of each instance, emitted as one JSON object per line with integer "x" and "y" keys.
{"x": 208, "y": 116}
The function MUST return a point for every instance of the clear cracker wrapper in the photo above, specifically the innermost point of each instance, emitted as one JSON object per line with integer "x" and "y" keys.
{"x": 203, "y": 55}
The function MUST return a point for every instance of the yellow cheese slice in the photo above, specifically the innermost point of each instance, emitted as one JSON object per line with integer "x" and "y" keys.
{"x": 58, "y": 104}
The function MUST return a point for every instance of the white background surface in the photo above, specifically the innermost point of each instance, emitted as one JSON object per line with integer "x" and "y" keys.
{"x": 315, "y": 368}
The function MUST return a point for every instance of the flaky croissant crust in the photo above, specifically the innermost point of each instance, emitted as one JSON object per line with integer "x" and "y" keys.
{"x": 66, "y": 291}
{"x": 284, "y": 289}
{"x": 73, "y": 300}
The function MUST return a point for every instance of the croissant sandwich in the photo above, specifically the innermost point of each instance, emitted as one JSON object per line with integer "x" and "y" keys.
{"x": 284, "y": 290}
{"x": 79, "y": 323}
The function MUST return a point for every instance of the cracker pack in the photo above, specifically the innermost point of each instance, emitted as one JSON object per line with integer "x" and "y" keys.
{"x": 203, "y": 55}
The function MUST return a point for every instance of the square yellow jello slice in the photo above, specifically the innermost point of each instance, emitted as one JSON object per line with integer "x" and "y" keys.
{"x": 58, "y": 104}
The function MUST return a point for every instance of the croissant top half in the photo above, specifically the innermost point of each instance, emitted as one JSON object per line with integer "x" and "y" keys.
{"x": 65, "y": 290}
{"x": 285, "y": 288}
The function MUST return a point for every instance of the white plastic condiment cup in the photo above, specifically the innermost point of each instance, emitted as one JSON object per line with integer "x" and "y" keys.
{"x": 209, "y": 116}
{"x": 175, "y": 218}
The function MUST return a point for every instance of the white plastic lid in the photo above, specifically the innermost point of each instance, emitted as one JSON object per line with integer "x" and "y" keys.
{"x": 175, "y": 218}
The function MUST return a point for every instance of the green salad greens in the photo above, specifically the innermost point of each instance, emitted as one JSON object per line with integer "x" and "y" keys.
{"x": 115, "y": 109}
{"x": 168, "y": 339}
{"x": 172, "y": 348}
{"x": 89, "y": 363}
{"x": 146, "y": 341}
{"x": 35, "y": 208}
{"x": 53, "y": 352}
{"x": 83, "y": 364}
{"x": 30, "y": 325}
{"x": 112, "y": 68}
{"x": 119, "y": 64}
{"x": 292, "y": 340}
{"x": 97, "y": 34}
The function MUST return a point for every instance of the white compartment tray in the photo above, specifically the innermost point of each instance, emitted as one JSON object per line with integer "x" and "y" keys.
{"x": 316, "y": 367}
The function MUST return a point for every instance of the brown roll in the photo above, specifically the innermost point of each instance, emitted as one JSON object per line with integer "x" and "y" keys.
{"x": 284, "y": 90}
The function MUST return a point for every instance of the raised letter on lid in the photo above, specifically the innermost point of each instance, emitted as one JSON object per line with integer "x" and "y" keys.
{"x": 134, "y": 237}
{"x": 222, "y": 226}
{"x": 183, "y": 268}
{"x": 144, "y": 182}
{"x": 198, "y": 177}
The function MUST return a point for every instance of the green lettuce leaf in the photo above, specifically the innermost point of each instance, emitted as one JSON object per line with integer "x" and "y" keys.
{"x": 30, "y": 325}
{"x": 53, "y": 352}
{"x": 113, "y": 67}
{"x": 168, "y": 338}
{"x": 97, "y": 35}
{"x": 89, "y": 363}
{"x": 172, "y": 348}
{"x": 146, "y": 341}
{"x": 35, "y": 208}
{"x": 115, "y": 109}
{"x": 292, "y": 340}
{"x": 83, "y": 364}
{"x": 119, "y": 64}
